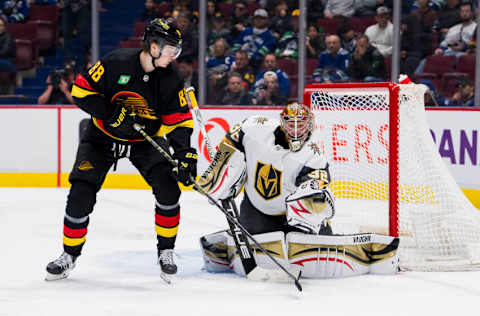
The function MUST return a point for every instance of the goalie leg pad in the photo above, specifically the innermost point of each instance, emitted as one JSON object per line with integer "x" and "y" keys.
{"x": 321, "y": 256}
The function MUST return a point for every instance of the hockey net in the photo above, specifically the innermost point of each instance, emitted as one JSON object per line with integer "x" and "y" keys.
{"x": 388, "y": 176}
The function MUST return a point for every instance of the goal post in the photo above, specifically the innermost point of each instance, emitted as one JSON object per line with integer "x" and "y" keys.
{"x": 388, "y": 177}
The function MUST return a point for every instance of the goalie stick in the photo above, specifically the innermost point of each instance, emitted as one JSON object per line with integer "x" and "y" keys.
{"x": 230, "y": 218}
{"x": 241, "y": 242}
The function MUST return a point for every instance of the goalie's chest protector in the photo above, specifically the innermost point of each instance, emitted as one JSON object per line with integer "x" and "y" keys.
{"x": 271, "y": 169}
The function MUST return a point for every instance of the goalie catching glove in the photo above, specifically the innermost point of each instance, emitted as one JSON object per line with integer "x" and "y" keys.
{"x": 310, "y": 207}
{"x": 187, "y": 165}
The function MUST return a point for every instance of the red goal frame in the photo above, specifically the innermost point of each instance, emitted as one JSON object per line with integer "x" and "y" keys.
{"x": 394, "y": 121}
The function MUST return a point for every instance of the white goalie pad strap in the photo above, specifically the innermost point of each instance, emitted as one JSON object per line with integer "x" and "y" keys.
{"x": 320, "y": 256}
{"x": 310, "y": 207}
{"x": 225, "y": 176}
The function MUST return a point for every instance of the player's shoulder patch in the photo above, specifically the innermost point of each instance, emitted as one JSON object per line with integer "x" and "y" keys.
{"x": 314, "y": 148}
{"x": 259, "y": 120}
{"x": 316, "y": 157}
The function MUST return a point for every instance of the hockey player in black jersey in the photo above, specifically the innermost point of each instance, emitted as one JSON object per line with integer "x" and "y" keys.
{"x": 125, "y": 87}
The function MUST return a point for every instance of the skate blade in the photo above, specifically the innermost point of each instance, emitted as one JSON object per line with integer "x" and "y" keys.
{"x": 167, "y": 278}
{"x": 55, "y": 277}
{"x": 273, "y": 275}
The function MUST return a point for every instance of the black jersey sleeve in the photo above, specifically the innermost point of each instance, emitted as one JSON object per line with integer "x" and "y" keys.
{"x": 177, "y": 121}
{"x": 89, "y": 88}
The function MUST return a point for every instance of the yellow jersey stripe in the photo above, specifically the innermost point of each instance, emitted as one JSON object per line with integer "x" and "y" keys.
{"x": 80, "y": 93}
{"x": 167, "y": 129}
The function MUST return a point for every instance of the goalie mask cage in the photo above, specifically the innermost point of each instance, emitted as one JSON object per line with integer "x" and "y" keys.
{"x": 387, "y": 175}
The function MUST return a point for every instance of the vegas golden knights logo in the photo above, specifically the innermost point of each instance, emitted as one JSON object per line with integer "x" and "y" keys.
{"x": 268, "y": 181}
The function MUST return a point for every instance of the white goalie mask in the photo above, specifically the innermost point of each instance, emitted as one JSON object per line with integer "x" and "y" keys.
{"x": 297, "y": 123}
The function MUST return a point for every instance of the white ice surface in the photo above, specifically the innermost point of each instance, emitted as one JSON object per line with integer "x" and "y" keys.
{"x": 117, "y": 274}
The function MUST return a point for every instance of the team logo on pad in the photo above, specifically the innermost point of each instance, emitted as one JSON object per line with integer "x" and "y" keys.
{"x": 268, "y": 181}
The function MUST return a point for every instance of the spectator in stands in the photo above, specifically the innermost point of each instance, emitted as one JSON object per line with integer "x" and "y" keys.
{"x": 218, "y": 29}
{"x": 7, "y": 48}
{"x": 212, "y": 8}
{"x": 426, "y": 16}
{"x": 367, "y": 64}
{"x": 189, "y": 34}
{"x": 464, "y": 96}
{"x": 59, "y": 85}
{"x": 185, "y": 68}
{"x": 448, "y": 16}
{"x": 218, "y": 60}
{"x": 269, "y": 93}
{"x": 240, "y": 18}
{"x": 150, "y": 11}
{"x": 257, "y": 40}
{"x": 381, "y": 33}
{"x": 347, "y": 36}
{"x": 412, "y": 47}
{"x": 218, "y": 64}
{"x": 459, "y": 36}
{"x": 364, "y": 8}
{"x": 241, "y": 65}
{"x": 339, "y": 8}
{"x": 235, "y": 92}
{"x": 238, "y": 64}
{"x": 280, "y": 22}
{"x": 431, "y": 97}
{"x": 76, "y": 15}
{"x": 14, "y": 11}
{"x": 287, "y": 46}
{"x": 332, "y": 59}
{"x": 270, "y": 64}
{"x": 315, "y": 42}
{"x": 315, "y": 11}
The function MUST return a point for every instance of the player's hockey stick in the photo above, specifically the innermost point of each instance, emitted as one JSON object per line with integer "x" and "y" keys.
{"x": 192, "y": 101}
{"x": 230, "y": 218}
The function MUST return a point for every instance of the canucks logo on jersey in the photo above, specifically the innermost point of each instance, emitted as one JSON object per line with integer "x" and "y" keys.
{"x": 268, "y": 181}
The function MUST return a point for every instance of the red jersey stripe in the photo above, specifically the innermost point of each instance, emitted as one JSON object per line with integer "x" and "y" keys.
{"x": 74, "y": 233}
{"x": 175, "y": 118}
{"x": 167, "y": 221}
{"x": 83, "y": 83}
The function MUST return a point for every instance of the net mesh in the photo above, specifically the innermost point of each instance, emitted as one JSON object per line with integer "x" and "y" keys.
{"x": 439, "y": 229}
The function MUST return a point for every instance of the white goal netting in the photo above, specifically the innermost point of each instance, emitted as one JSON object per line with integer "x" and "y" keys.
{"x": 439, "y": 228}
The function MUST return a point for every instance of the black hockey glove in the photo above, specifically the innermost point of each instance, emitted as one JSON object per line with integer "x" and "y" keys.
{"x": 187, "y": 165}
{"x": 121, "y": 121}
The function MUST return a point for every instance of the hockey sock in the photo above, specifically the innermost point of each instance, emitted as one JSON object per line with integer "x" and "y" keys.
{"x": 167, "y": 218}
{"x": 74, "y": 234}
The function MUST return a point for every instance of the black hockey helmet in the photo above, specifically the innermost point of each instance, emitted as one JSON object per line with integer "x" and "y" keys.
{"x": 163, "y": 32}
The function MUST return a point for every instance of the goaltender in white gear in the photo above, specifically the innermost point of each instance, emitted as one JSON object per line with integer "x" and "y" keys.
{"x": 287, "y": 204}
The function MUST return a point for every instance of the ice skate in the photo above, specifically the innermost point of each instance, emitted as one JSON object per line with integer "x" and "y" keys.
{"x": 60, "y": 268}
{"x": 167, "y": 265}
